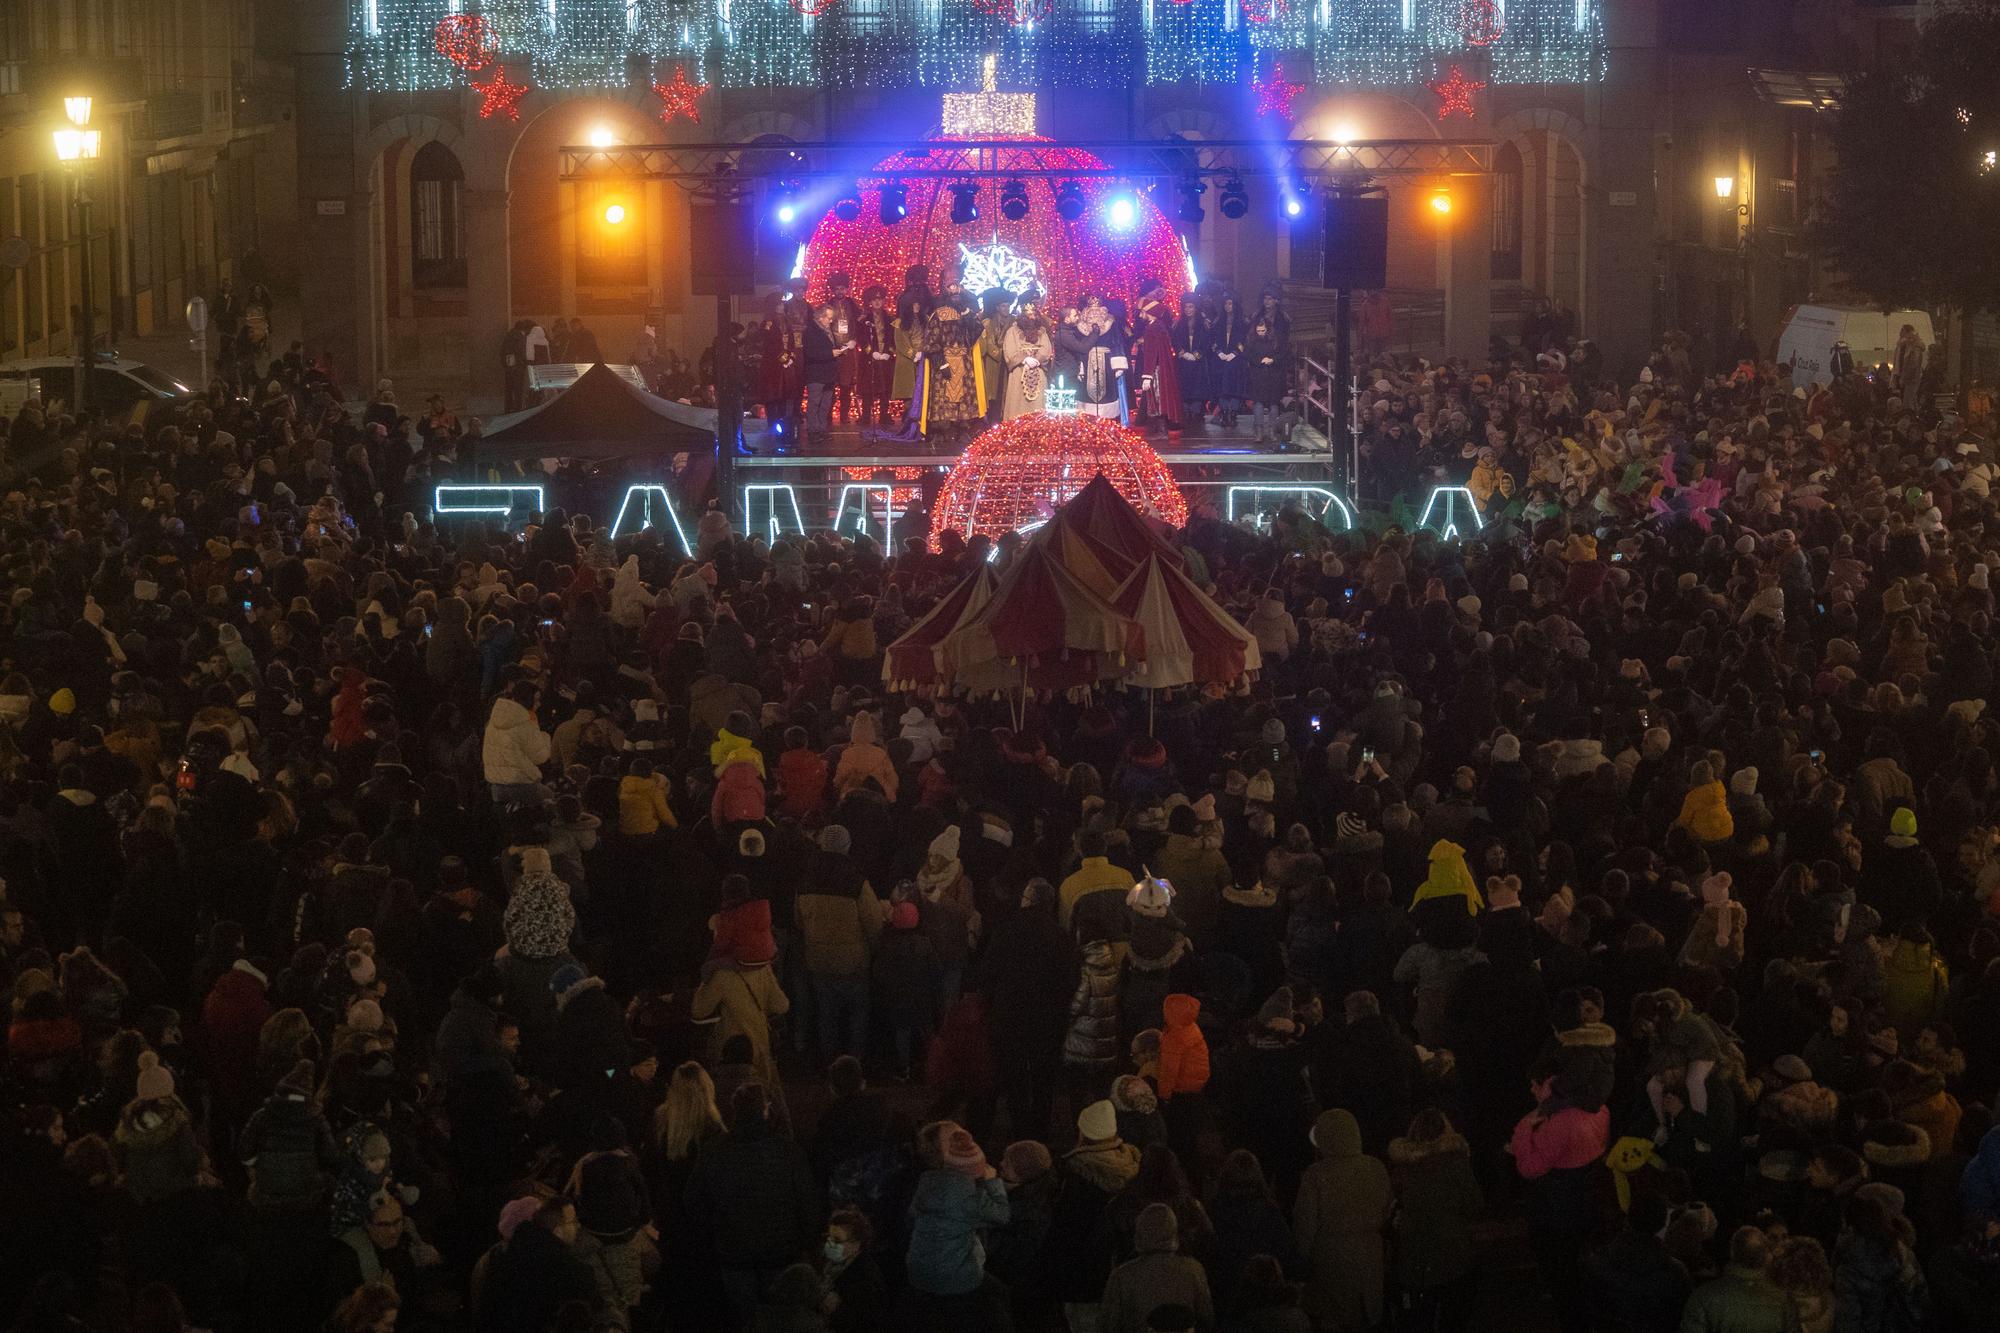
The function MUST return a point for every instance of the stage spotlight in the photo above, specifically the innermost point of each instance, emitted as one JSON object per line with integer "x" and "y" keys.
{"x": 785, "y": 205}
{"x": 848, "y": 207}
{"x": 1293, "y": 206}
{"x": 1235, "y": 199}
{"x": 895, "y": 204}
{"x": 964, "y": 202}
{"x": 1122, "y": 213}
{"x": 1441, "y": 201}
{"x": 1069, "y": 201}
{"x": 1191, "y": 211}
{"x": 614, "y": 215}
{"x": 1014, "y": 201}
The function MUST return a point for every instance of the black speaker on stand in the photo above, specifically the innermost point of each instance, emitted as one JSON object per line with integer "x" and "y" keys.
{"x": 1355, "y": 255}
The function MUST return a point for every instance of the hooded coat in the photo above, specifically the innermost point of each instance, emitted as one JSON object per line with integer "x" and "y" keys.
{"x": 1437, "y": 1196}
{"x": 514, "y": 747}
{"x": 1183, "y": 1050}
{"x": 947, "y": 1257}
{"x": 1340, "y": 1219}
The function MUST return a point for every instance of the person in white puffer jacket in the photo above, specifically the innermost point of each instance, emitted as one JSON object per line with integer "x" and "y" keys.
{"x": 514, "y": 748}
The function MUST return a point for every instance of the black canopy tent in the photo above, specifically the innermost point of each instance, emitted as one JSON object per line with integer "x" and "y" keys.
{"x": 600, "y": 416}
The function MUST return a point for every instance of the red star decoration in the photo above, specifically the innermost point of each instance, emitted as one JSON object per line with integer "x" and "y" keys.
{"x": 498, "y": 96}
{"x": 1275, "y": 94}
{"x": 1454, "y": 94}
{"x": 678, "y": 98}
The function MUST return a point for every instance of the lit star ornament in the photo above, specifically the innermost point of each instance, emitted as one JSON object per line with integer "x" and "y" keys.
{"x": 1275, "y": 94}
{"x": 498, "y": 96}
{"x": 678, "y": 98}
{"x": 1454, "y": 94}
{"x": 996, "y": 265}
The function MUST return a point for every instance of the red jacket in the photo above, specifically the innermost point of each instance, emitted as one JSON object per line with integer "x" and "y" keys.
{"x": 1183, "y": 1050}
{"x": 739, "y": 796}
{"x": 233, "y": 1015}
{"x": 802, "y": 779}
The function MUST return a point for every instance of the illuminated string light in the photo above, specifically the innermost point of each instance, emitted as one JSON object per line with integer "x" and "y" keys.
{"x": 396, "y": 46}
{"x": 498, "y": 96}
{"x": 1276, "y": 93}
{"x": 1017, "y": 473}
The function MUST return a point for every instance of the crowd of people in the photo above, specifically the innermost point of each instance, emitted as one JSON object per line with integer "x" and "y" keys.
{"x": 447, "y": 928}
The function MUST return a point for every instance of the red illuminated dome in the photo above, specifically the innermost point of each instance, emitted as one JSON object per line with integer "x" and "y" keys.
{"x": 1092, "y": 254}
{"x": 1015, "y": 475}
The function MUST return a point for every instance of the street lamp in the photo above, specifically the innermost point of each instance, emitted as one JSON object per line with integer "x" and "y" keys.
{"x": 1725, "y": 187}
{"x": 76, "y": 147}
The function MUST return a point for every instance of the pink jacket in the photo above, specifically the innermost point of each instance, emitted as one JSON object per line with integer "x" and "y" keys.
{"x": 1564, "y": 1141}
{"x": 739, "y": 795}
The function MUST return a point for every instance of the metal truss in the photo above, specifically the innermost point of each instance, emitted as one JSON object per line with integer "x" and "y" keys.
{"x": 955, "y": 159}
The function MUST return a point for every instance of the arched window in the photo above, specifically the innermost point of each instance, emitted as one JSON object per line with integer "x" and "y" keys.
{"x": 1507, "y": 212}
{"x": 437, "y": 218}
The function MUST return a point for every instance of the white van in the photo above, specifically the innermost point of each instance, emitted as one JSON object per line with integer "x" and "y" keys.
{"x": 1809, "y": 332}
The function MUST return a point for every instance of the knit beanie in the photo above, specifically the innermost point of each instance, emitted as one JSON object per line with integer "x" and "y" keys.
{"x": 945, "y": 845}
{"x": 1507, "y": 748}
{"x": 299, "y": 1081}
{"x": 750, "y": 843}
{"x": 360, "y": 968}
{"x": 835, "y": 840}
{"x": 1025, "y": 1160}
{"x": 156, "y": 1081}
{"x": 1276, "y": 1013}
{"x": 960, "y": 1152}
{"x": 903, "y": 916}
{"x": 1098, "y": 1121}
{"x": 1156, "y": 1230}
{"x": 1743, "y": 782}
{"x": 1130, "y": 1092}
{"x": 1903, "y": 824}
{"x": 1347, "y": 824}
{"x": 1272, "y": 732}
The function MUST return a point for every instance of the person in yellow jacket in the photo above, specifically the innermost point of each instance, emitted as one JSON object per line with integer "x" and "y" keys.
{"x": 642, "y": 802}
{"x": 1449, "y": 877}
{"x": 1489, "y": 479}
{"x": 1705, "y": 808}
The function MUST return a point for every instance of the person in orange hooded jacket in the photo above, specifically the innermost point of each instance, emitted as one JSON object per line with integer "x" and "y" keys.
{"x": 1183, "y": 1050}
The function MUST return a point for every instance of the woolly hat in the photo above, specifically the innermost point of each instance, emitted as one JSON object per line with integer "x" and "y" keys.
{"x": 1743, "y": 782}
{"x": 1025, "y": 1160}
{"x": 1470, "y": 605}
{"x": 1272, "y": 732}
{"x": 1903, "y": 824}
{"x": 360, "y": 968}
{"x": 1791, "y": 1069}
{"x": 516, "y": 1212}
{"x": 1517, "y": 583}
{"x": 961, "y": 1153}
{"x": 835, "y": 840}
{"x": 365, "y": 1016}
{"x": 1347, "y": 824}
{"x": 1130, "y": 1092}
{"x": 1156, "y": 1229}
{"x": 903, "y": 916}
{"x": 62, "y": 702}
{"x": 1098, "y": 1121}
{"x": 1276, "y": 1013}
{"x": 750, "y": 842}
{"x": 1655, "y": 743}
{"x": 1506, "y": 748}
{"x": 1151, "y": 896}
{"x": 156, "y": 1081}
{"x": 945, "y": 845}
{"x": 368, "y": 1141}
{"x": 566, "y": 978}
{"x": 299, "y": 1081}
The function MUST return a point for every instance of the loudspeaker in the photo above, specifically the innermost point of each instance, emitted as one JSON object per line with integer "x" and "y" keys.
{"x": 722, "y": 249}
{"x": 1356, "y": 254}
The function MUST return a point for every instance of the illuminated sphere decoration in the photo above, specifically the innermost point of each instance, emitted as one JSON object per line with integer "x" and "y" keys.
{"x": 1014, "y": 475}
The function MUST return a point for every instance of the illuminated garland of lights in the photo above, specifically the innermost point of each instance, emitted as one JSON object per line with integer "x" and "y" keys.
{"x": 499, "y": 96}
{"x": 1071, "y": 257}
{"x": 1017, "y": 473}
{"x": 1276, "y": 93}
{"x": 394, "y": 45}
{"x": 678, "y": 98}
{"x": 1454, "y": 94}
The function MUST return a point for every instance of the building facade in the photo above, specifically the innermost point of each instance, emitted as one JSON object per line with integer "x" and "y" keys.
{"x": 192, "y": 183}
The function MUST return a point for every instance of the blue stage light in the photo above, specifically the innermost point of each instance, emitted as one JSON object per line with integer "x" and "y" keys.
{"x": 1122, "y": 213}
{"x": 1293, "y": 207}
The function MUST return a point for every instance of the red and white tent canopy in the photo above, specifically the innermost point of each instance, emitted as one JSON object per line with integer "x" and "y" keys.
{"x": 1043, "y": 628}
{"x": 1108, "y": 518}
{"x": 1189, "y": 639}
{"x": 912, "y": 659}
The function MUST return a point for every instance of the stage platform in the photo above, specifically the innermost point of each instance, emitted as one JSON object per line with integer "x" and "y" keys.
{"x": 1207, "y": 444}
